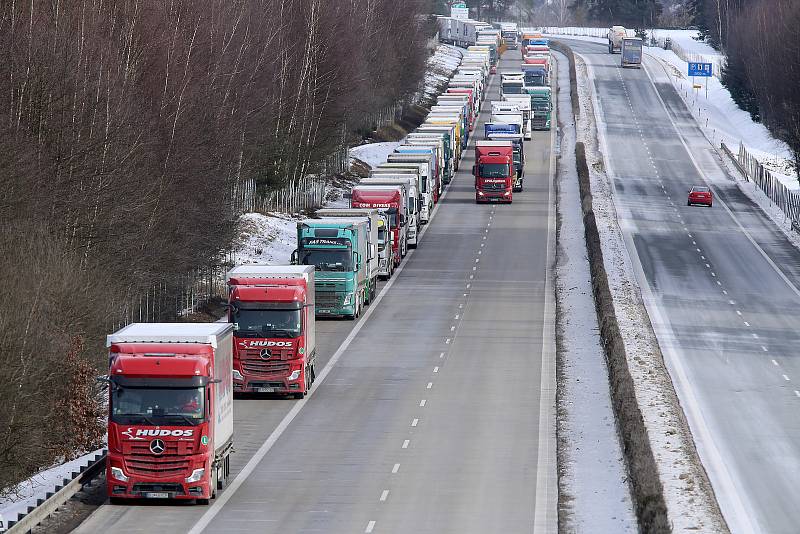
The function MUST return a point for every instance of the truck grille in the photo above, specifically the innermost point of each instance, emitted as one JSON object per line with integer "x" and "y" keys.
{"x": 264, "y": 367}
{"x": 169, "y": 488}
{"x": 140, "y": 461}
{"x": 539, "y": 122}
{"x": 163, "y": 466}
{"x": 328, "y": 299}
{"x": 494, "y": 187}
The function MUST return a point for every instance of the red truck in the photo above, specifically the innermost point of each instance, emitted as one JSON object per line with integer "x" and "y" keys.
{"x": 274, "y": 342}
{"x": 493, "y": 171}
{"x": 170, "y": 422}
{"x": 389, "y": 200}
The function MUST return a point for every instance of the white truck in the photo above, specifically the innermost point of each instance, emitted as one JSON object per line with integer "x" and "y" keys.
{"x": 514, "y": 109}
{"x": 422, "y": 172}
{"x": 615, "y": 36}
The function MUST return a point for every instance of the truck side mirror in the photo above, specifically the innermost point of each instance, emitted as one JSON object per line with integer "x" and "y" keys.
{"x": 293, "y": 260}
{"x": 475, "y": 170}
{"x": 356, "y": 261}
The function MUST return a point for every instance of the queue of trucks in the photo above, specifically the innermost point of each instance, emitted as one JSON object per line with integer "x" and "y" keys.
{"x": 171, "y": 385}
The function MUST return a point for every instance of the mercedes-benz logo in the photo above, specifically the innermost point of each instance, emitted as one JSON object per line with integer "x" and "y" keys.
{"x": 157, "y": 446}
{"x": 265, "y": 354}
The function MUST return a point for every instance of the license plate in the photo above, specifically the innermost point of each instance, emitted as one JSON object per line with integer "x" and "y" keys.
{"x": 156, "y": 495}
{"x": 265, "y": 390}
{"x": 495, "y": 199}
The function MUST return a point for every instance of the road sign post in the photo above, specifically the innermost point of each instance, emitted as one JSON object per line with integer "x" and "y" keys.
{"x": 704, "y": 70}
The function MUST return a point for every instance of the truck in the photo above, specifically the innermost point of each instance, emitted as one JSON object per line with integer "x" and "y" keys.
{"x": 441, "y": 143}
{"x": 338, "y": 249}
{"x": 448, "y": 134}
{"x": 516, "y": 111}
{"x": 420, "y": 173}
{"x": 542, "y": 104}
{"x": 426, "y": 155}
{"x": 272, "y": 311}
{"x": 631, "y": 52}
{"x": 170, "y": 411}
{"x": 510, "y": 132}
{"x": 615, "y": 36}
{"x": 535, "y": 75}
{"x": 389, "y": 200}
{"x": 408, "y": 184}
{"x": 372, "y": 216}
{"x": 493, "y": 171}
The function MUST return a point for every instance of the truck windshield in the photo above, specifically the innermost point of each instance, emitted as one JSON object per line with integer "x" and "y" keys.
{"x": 157, "y": 406}
{"x": 512, "y": 89}
{"x": 494, "y": 170}
{"x": 249, "y": 322}
{"x": 328, "y": 259}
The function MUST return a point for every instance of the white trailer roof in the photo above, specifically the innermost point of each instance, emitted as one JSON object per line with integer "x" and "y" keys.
{"x": 267, "y": 271}
{"x": 206, "y": 333}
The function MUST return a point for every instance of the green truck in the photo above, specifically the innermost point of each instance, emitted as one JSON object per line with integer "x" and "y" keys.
{"x": 339, "y": 250}
{"x": 541, "y": 107}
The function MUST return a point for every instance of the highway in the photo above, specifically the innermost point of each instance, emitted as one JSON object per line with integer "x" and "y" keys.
{"x": 721, "y": 287}
{"x": 434, "y": 412}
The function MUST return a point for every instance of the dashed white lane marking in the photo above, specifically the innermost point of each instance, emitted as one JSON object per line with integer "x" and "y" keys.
{"x": 472, "y": 277}
{"x": 415, "y": 422}
{"x": 708, "y": 266}
{"x": 713, "y": 274}
{"x": 456, "y": 317}
{"x": 702, "y": 257}
{"x": 422, "y": 403}
{"x": 755, "y": 336}
{"x": 441, "y": 354}
{"x": 436, "y": 369}
{"x": 724, "y": 292}
{"x": 765, "y": 349}
{"x": 384, "y": 495}
{"x": 746, "y": 323}
{"x": 732, "y": 302}
{"x": 370, "y": 526}
{"x": 698, "y": 250}
{"x": 690, "y": 235}
{"x": 786, "y": 378}
{"x": 477, "y": 260}
{"x": 396, "y": 468}
{"x": 719, "y": 283}
{"x": 693, "y": 242}
{"x": 774, "y": 362}
{"x": 479, "y": 252}
{"x": 739, "y": 313}
{"x": 483, "y": 244}
{"x": 447, "y": 341}
{"x": 452, "y": 327}
{"x": 474, "y": 268}
{"x": 406, "y": 443}
{"x": 468, "y": 286}
{"x": 797, "y": 393}
{"x": 429, "y": 386}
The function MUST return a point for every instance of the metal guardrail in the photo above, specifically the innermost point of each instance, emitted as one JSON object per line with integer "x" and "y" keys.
{"x": 54, "y": 500}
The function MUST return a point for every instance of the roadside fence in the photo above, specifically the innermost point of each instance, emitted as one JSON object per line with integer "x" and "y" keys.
{"x": 783, "y": 197}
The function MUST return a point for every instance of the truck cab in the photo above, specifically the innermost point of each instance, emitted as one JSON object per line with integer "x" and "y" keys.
{"x": 493, "y": 171}
{"x": 272, "y": 311}
{"x": 338, "y": 250}
{"x": 510, "y": 132}
{"x": 408, "y": 184}
{"x": 542, "y": 105}
{"x": 170, "y": 419}
{"x": 391, "y": 201}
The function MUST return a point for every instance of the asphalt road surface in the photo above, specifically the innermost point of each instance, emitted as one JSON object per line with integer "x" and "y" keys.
{"x": 438, "y": 413}
{"x": 721, "y": 287}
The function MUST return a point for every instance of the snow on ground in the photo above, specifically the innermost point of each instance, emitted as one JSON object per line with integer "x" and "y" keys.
{"x": 373, "y": 153}
{"x": 689, "y": 497}
{"x": 595, "y": 496}
{"x": 26, "y": 493}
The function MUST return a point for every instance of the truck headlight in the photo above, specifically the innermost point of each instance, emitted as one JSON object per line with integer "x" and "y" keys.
{"x": 237, "y": 375}
{"x": 196, "y": 475}
{"x": 117, "y": 473}
{"x": 295, "y": 375}
{"x": 506, "y": 193}
{"x": 480, "y": 193}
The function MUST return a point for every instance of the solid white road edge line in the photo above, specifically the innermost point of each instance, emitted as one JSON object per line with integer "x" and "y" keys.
{"x": 262, "y": 451}
{"x": 545, "y": 519}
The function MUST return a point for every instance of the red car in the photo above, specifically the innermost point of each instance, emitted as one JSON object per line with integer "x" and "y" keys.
{"x": 700, "y": 194}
